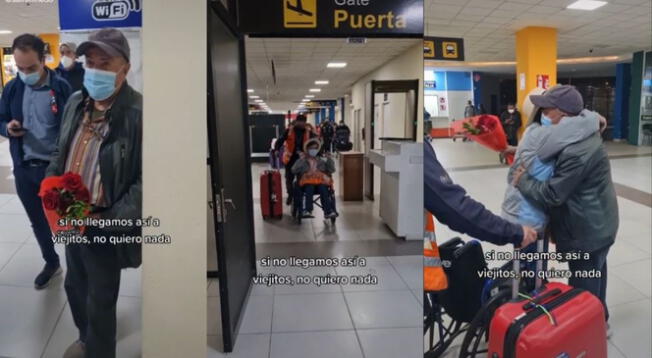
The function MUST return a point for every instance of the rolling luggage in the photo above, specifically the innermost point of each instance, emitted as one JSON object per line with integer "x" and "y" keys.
{"x": 275, "y": 158}
{"x": 271, "y": 194}
{"x": 557, "y": 321}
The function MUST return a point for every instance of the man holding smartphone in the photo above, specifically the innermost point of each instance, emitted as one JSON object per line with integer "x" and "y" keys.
{"x": 30, "y": 115}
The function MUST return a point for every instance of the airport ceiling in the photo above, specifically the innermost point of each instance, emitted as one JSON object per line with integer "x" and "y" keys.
{"x": 299, "y": 62}
{"x": 32, "y": 17}
{"x": 488, "y": 26}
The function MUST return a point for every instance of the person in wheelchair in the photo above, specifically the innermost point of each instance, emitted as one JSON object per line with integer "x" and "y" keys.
{"x": 314, "y": 173}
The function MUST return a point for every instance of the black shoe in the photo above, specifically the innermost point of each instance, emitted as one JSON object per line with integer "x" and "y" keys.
{"x": 46, "y": 275}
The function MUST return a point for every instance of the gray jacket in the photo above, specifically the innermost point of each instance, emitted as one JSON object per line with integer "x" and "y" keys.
{"x": 580, "y": 197}
{"x": 120, "y": 163}
{"x": 537, "y": 149}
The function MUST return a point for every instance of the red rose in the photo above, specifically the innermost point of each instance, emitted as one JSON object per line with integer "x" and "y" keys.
{"x": 71, "y": 182}
{"x": 51, "y": 199}
{"x": 65, "y": 201}
{"x": 83, "y": 195}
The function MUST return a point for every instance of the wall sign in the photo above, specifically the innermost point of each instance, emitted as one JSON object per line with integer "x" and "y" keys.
{"x": 331, "y": 18}
{"x": 94, "y": 14}
{"x": 443, "y": 48}
{"x": 543, "y": 81}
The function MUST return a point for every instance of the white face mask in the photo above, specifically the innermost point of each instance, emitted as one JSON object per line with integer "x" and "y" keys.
{"x": 66, "y": 61}
{"x": 510, "y": 110}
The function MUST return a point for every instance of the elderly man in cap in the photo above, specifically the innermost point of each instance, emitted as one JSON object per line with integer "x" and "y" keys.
{"x": 71, "y": 70}
{"x": 580, "y": 197}
{"x": 101, "y": 141}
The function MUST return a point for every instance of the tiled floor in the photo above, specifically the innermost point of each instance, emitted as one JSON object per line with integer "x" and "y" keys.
{"x": 358, "y": 220}
{"x": 331, "y": 321}
{"x": 629, "y": 295}
{"x": 38, "y": 323}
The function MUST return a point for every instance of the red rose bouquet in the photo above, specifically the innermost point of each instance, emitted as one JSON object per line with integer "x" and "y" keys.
{"x": 486, "y": 130}
{"x": 65, "y": 197}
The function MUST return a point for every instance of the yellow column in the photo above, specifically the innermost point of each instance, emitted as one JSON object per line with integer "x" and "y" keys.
{"x": 53, "y": 41}
{"x": 536, "y": 55}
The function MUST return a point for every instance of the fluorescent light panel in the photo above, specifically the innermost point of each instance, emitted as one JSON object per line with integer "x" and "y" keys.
{"x": 250, "y": 91}
{"x": 586, "y": 5}
{"x": 310, "y": 96}
{"x": 336, "y": 64}
{"x": 315, "y": 90}
{"x": 321, "y": 82}
{"x": 5, "y": 32}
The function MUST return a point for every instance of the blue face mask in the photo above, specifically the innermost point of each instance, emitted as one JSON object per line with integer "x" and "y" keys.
{"x": 99, "y": 84}
{"x": 29, "y": 79}
{"x": 313, "y": 152}
{"x": 545, "y": 121}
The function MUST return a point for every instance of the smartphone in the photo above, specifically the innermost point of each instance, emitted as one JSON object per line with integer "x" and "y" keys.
{"x": 19, "y": 130}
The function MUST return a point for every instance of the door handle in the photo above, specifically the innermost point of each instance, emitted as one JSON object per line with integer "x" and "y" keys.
{"x": 229, "y": 201}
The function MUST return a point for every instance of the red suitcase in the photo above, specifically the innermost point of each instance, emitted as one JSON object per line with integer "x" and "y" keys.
{"x": 558, "y": 322}
{"x": 271, "y": 194}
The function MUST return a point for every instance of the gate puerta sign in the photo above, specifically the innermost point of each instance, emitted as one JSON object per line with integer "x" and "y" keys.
{"x": 331, "y": 18}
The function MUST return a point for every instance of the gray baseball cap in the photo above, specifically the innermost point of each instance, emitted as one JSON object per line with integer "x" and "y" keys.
{"x": 564, "y": 97}
{"x": 70, "y": 45}
{"x": 109, "y": 40}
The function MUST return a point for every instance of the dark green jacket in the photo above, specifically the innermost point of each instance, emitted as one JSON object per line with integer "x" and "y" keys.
{"x": 120, "y": 162}
{"x": 580, "y": 197}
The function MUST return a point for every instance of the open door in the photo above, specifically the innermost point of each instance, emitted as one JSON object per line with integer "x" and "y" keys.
{"x": 229, "y": 161}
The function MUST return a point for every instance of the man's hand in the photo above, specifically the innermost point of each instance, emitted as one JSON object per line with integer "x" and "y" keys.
{"x": 529, "y": 236}
{"x": 517, "y": 174}
{"x": 13, "y": 129}
{"x": 510, "y": 150}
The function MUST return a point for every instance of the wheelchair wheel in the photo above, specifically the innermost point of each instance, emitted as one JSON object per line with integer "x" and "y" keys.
{"x": 478, "y": 330}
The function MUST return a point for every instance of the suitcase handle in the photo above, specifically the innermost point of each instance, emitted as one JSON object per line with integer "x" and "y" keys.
{"x": 516, "y": 281}
{"x": 536, "y": 301}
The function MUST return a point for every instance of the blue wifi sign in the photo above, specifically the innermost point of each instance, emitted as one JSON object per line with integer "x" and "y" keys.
{"x": 92, "y": 14}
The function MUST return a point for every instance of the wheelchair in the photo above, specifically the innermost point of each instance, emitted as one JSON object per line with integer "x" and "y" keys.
{"x": 299, "y": 194}
{"x": 444, "y": 313}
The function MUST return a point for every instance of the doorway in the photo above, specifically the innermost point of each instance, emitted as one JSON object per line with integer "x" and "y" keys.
{"x": 230, "y": 178}
{"x": 401, "y": 122}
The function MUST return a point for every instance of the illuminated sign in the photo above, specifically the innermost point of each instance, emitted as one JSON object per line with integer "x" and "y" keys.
{"x": 331, "y": 18}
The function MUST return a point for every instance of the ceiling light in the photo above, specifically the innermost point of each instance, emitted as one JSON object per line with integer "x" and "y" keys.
{"x": 315, "y": 90}
{"x": 586, "y": 5}
{"x": 259, "y": 101}
{"x": 310, "y": 96}
{"x": 250, "y": 91}
{"x": 5, "y": 32}
{"x": 321, "y": 82}
{"x": 336, "y": 64}
{"x": 254, "y": 97}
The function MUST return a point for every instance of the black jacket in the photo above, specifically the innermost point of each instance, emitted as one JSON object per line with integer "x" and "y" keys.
{"x": 74, "y": 76}
{"x": 580, "y": 197}
{"x": 515, "y": 117}
{"x": 450, "y": 204}
{"x": 120, "y": 162}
